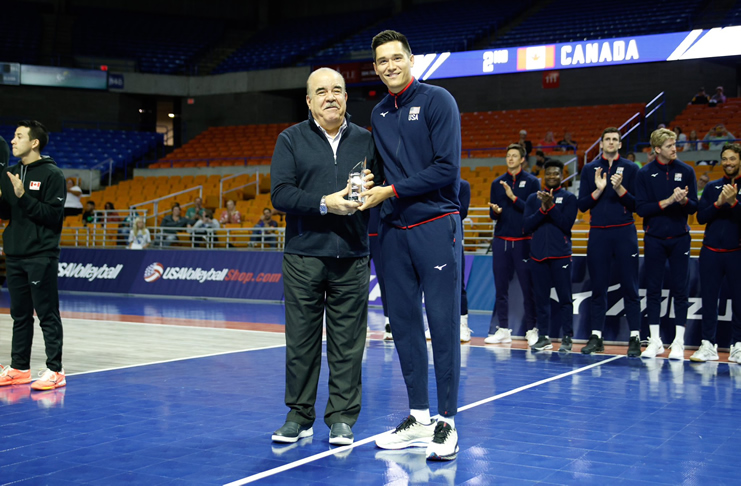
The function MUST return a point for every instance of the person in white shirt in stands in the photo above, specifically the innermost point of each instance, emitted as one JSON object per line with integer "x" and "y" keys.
{"x": 139, "y": 237}
{"x": 72, "y": 204}
{"x": 204, "y": 228}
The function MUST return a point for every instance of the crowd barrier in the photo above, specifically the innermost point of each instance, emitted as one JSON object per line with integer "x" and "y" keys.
{"x": 257, "y": 275}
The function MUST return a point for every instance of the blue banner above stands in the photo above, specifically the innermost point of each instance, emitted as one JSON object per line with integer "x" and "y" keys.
{"x": 221, "y": 274}
{"x": 697, "y": 44}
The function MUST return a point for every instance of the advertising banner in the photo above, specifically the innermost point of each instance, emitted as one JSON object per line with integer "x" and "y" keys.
{"x": 696, "y": 44}
{"x": 218, "y": 274}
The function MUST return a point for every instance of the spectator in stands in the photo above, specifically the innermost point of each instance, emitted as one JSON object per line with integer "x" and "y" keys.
{"x": 230, "y": 215}
{"x": 139, "y": 237}
{"x": 524, "y": 143}
{"x": 702, "y": 181}
{"x": 196, "y": 212}
{"x": 718, "y": 97}
{"x": 540, "y": 161}
{"x": 716, "y": 137}
{"x": 110, "y": 215}
{"x": 170, "y": 224}
{"x": 89, "y": 217}
{"x": 681, "y": 138}
{"x": 548, "y": 143}
{"x": 203, "y": 229}
{"x": 567, "y": 144}
{"x": 72, "y": 204}
{"x": 701, "y": 98}
{"x": 263, "y": 236}
{"x": 632, "y": 157}
{"x": 693, "y": 142}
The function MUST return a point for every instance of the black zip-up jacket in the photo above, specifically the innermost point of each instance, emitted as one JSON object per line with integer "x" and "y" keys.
{"x": 303, "y": 170}
{"x": 723, "y": 230}
{"x": 656, "y": 181}
{"x": 35, "y": 219}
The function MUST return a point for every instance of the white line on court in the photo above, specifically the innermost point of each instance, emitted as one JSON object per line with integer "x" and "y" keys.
{"x": 316, "y": 457}
{"x": 176, "y": 359}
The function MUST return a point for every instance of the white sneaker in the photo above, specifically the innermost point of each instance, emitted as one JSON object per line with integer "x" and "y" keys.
{"x": 677, "y": 350}
{"x": 427, "y": 335}
{"x": 444, "y": 445}
{"x": 465, "y": 333}
{"x": 532, "y": 336}
{"x": 706, "y": 352}
{"x": 409, "y": 433}
{"x": 503, "y": 335}
{"x": 655, "y": 347}
{"x": 734, "y": 356}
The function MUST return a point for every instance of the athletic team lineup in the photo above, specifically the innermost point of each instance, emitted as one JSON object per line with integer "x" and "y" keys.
{"x": 412, "y": 207}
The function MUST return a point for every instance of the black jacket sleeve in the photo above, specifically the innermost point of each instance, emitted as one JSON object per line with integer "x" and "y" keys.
{"x": 49, "y": 210}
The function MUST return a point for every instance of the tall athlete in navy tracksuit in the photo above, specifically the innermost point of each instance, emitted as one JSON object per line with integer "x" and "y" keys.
{"x": 510, "y": 247}
{"x": 549, "y": 216}
{"x": 607, "y": 191}
{"x": 666, "y": 193}
{"x": 720, "y": 256}
{"x": 417, "y": 132}
{"x": 464, "y": 196}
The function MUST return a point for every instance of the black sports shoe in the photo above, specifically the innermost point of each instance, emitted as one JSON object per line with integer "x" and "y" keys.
{"x": 341, "y": 434}
{"x": 291, "y": 432}
{"x": 566, "y": 344}
{"x": 634, "y": 347}
{"x": 594, "y": 345}
{"x": 543, "y": 343}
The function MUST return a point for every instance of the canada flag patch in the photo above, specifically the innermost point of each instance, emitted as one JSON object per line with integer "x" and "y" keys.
{"x": 34, "y": 185}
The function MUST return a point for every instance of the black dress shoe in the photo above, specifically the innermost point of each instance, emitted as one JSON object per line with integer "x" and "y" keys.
{"x": 292, "y": 431}
{"x": 340, "y": 434}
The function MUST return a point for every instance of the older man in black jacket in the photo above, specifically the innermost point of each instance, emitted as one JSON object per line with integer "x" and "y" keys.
{"x": 326, "y": 258}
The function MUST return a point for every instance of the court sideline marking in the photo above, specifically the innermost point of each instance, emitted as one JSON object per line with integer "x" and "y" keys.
{"x": 322, "y": 455}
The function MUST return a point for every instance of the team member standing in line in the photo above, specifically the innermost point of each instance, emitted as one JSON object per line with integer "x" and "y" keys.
{"x": 720, "y": 255}
{"x": 510, "y": 247}
{"x": 549, "y": 217}
{"x": 609, "y": 197}
{"x": 666, "y": 193}
{"x": 418, "y": 135}
{"x": 464, "y": 196}
{"x": 326, "y": 267}
{"x": 32, "y": 202}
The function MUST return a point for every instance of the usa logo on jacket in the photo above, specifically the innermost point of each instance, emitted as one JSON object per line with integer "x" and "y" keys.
{"x": 414, "y": 113}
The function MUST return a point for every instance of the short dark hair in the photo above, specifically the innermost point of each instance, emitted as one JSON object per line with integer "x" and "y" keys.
{"x": 518, "y": 147}
{"x": 610, "y": 130}
{"x": 90, "y": 202}
{"x": 390, "y": 36}
{"x": 553, "y": 163}
{"x": 736, "y": 147}
{"x": 36, "y": 131}
{"x": 539, "y": 153}
{"x": 267, "y": 209}
{"x": 208, "y": 214}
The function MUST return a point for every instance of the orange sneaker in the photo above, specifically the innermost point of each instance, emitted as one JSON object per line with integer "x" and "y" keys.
{"x": 49, "y": 380}
{"x": 12, "y": 376}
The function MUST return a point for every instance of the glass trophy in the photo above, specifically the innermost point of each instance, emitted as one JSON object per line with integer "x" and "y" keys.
{"x": 357, "y": 184}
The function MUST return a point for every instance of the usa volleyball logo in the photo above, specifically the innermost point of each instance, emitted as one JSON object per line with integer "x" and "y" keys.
{"x": 153, "y": 272}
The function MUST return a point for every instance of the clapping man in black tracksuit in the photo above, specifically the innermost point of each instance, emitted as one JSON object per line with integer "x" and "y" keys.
{"x": 32, "y": 201}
